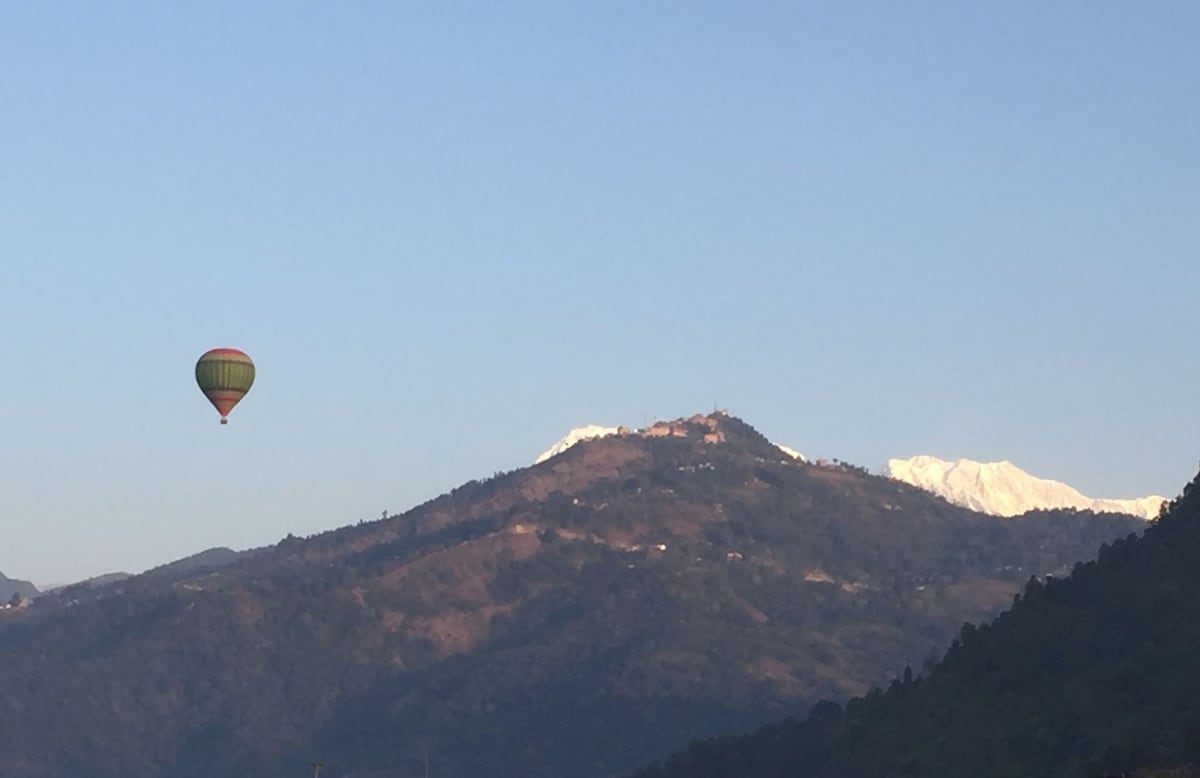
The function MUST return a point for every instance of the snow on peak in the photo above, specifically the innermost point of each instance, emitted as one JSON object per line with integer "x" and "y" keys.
{"x": 1003, "y": 489}
{"x": 791, "y": 452}
{"x": 577, "y": 435}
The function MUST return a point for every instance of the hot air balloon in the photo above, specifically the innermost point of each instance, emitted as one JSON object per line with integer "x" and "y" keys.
{"x": 224, "y": 375}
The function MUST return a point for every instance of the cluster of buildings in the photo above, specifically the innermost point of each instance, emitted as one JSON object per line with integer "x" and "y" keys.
{"x": 680, "y": 428}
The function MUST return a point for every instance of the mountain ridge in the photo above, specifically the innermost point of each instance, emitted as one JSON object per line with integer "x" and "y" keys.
{"x": 996, "y": 488}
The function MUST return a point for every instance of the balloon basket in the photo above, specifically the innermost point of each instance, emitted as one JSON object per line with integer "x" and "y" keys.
{"x": 224, "y": 421}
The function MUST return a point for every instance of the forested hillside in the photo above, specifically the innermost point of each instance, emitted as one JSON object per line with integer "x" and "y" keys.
{"x": 1087, "y": 676}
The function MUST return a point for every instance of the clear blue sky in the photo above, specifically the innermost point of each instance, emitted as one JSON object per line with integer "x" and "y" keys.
{"x": 449, "y": 232}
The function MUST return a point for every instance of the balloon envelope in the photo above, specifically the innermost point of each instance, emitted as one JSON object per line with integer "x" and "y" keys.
{"x": 224, "y": 375}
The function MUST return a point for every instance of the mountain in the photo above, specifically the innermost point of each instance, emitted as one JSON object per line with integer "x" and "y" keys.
{"x": 10, "y": 587}
{"x": 1003, "y": 489}
{"x": 579, "y": 617}
{"x": 1090, "y": 675}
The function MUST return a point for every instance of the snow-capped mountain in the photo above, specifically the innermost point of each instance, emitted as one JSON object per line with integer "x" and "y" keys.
{"x": 1003, "y": 489}
{"x": 577, "y": 435}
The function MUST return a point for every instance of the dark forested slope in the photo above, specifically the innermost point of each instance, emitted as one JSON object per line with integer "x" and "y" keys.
{"x": 1088, "y": 676}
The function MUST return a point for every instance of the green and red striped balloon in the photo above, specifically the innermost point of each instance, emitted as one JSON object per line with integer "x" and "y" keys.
{"x": 224, "y": 375}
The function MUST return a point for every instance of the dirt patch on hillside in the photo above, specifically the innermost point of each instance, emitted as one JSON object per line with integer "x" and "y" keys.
{"x": 456, "y": 632}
